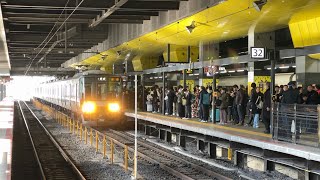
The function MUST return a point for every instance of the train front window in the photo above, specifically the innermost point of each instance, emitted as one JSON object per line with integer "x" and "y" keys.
{"x": 88, "y": 91}
{"x": 102, "y": 91}
{"x": 114, "y": 89}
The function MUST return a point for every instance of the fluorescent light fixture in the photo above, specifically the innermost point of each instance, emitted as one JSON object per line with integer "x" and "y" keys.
{"x": 197, "y": 74}
{"x": 241, "y": 70}
{"x": 191, "y": 27}
{"x": 284, "y": 67}
{"x": 269, "y": 68}
{"x": 231, "y": 71}
{"x": 294, "y": 66}
{"x": 258, "y": 5}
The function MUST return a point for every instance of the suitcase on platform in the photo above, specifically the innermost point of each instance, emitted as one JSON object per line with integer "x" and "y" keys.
{"x": 217, "y": 115}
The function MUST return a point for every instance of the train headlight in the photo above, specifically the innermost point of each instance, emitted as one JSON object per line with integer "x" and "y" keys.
{"x": 88, "y": 107}
{"x": 113, "y": 107}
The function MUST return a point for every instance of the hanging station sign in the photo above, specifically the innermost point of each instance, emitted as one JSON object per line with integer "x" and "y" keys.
{"x": 258, "y": 53}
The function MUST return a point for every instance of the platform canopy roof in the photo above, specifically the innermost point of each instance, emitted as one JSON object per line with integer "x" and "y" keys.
{"x": 37, "y": 39}
{"x": 28, "y": 23}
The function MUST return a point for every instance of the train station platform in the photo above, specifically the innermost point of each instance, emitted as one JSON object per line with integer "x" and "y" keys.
{"x": 239, "y": 134}
{"x": 6, "y": 125}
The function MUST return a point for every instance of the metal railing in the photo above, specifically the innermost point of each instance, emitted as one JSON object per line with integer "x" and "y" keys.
{"x": 103, "y": 144}
{"x": 297, "y": 123}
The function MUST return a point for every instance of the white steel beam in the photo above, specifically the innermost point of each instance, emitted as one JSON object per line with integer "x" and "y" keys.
{"x": 99, "y": 19}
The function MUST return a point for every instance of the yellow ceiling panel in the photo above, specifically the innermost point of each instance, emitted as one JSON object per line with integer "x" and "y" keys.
{"x": 295, "y": 32}
{"x": 228, "y": 20}
{"x": 315, "y": 56}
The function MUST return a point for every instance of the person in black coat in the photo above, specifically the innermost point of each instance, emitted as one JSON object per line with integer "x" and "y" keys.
{"x": 266, "y": 109}
{"x": 155, "y": 99}
{"x": 253, "y": 96}
{"x": 188, "y": 98}
{"x": 170, "y": 100}
{"x": 291, "y": 96}
{"x": 312, "y": 96}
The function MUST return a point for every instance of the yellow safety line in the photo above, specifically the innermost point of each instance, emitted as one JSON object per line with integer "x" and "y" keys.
{"x": 216, "y": 126}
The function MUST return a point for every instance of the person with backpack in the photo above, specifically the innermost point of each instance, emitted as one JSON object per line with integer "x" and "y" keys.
{"x": 251, "y": 102}
{"x": 171, "y": 95}
{"x": 224, "y": 106}
{"x": 188, "y": 99}
{"x": 155, "y": 99}
{"x": 205, "y": 104}
{"x": 257, "y": 105}
{"x": 180, "y": 108}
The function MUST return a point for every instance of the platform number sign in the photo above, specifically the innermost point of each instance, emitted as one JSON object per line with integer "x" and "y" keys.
{"x": 258, "y": 53}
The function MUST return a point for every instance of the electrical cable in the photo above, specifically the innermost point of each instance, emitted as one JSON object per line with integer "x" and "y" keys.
{"x": 53, "y": 35}
{"x": 54, "y": 24}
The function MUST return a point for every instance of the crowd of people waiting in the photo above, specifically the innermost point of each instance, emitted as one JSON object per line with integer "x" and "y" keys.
{"x": 233, "y": 103}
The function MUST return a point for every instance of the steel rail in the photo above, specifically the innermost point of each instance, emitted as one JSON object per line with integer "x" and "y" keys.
{"x": 31, "y": 139}
{"x": 127, "y": 137}
{"x": 56, "y": 144}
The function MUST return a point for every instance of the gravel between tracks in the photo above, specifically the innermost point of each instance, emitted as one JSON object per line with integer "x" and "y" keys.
{"x": 91, "y": 163}
{"x": 192, "y": 150}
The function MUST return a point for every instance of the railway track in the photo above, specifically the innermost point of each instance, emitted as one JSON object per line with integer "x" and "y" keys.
{"x": 49, "y": 159}
{"x": 177, "y": 166}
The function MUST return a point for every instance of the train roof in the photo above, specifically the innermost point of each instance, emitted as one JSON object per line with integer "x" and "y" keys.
{"x": 90, "y": 72}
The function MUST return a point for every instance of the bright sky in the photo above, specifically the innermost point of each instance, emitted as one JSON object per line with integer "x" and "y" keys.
{"x": 22, "y": 87}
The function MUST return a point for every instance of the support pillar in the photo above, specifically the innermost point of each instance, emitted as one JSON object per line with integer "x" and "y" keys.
{"x": 259, "y": 40}
{"x": 200, "y": 145}
{"x": 181, "y": 141}
{"x": 214, "y": 87}
{"x": 147, "y": 130}
{"x": 212, "y": 150}
{"x": 168, "y": 136}
{"x": 162, "y": 134}
{"x": 163, "y": 110}
{"x": 143, "y": 93}
{"x": 307, "y": 70}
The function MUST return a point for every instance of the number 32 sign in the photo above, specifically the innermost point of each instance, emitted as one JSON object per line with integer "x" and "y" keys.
{"x": 258, "y": 53}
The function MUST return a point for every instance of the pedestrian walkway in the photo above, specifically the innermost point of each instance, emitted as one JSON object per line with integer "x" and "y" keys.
{"x": 6, "y": 125}
{"x": 239, "y": 134}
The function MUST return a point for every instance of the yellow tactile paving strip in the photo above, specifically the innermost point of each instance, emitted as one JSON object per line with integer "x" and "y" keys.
{"x": 234, "y": 128}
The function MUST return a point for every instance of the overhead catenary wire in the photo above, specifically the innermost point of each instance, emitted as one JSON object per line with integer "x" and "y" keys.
{"x": 53, "y": 36}
{"x": 55, "y": 24}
